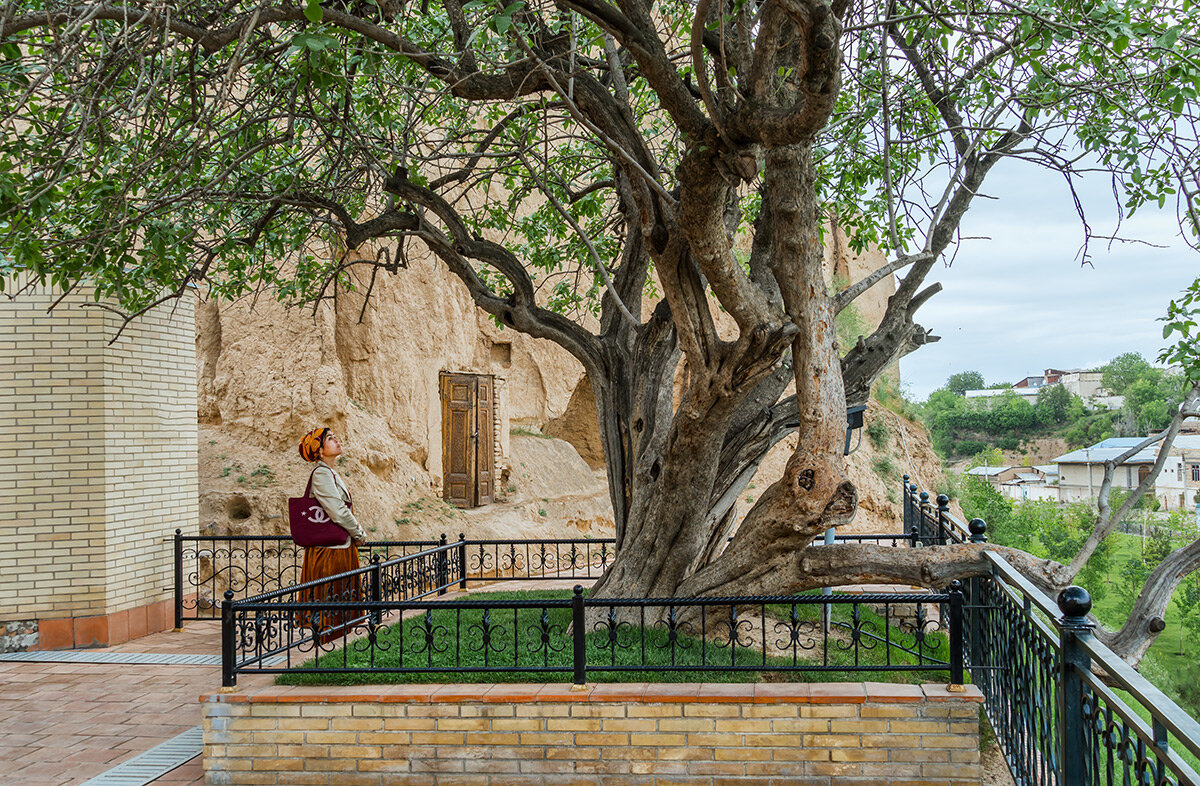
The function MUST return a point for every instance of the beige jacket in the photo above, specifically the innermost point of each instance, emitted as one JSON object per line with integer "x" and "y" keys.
{"x": 330, "y": 491}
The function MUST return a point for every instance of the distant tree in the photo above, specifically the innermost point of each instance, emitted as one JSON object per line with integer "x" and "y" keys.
{"x": 1123, "y": 370}
{"x": 1010, "y": 414}
{"x": 1187, "y": 600}
{"x": 963, "y": 381}
{"x": 1052, "y": 404}
{"x": 980, "y": 499}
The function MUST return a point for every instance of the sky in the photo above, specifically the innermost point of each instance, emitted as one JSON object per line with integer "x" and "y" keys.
{"x": 1020, "y": 301}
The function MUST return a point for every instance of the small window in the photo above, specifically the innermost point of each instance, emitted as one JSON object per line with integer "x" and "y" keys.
{"x": 1196, "y": 472}
{"x": 502, "y": 353}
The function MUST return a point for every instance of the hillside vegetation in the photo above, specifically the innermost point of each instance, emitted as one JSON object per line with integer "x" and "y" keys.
{"x": 962, "y": 427}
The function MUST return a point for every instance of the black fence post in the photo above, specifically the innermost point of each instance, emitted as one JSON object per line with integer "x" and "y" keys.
{"x": 228, "y": 653}
{"x": 443, "y": 577}
{"x": 923, "y": 519}
{"x": 956, "y": 636}
{"x": 376, "y": 590}
{"x": 1074, "y": 603}
{"x": 975, "y": 611}
{"x": 579, "y": 636}
{"x": 462, "y": 560}
{"x": 943, "y": 519}
{"x": 178, "y": 580}
{"x": 906, "y": 505}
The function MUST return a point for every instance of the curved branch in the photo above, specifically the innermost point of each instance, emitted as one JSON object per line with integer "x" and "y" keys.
{"x": 520, "y": 310}
{"x": 795, "y": 566}
{"x": 850, "y": 293}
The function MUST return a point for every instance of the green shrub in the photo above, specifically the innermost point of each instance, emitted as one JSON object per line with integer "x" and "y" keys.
{"x": 878, "y": 433}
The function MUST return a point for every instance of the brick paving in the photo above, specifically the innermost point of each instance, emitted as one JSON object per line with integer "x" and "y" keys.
{"x": 63, "y": 723}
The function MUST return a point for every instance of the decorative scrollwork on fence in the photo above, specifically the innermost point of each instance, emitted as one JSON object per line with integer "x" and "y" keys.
{"x": 543, "y": 634}
{"x": 796, "y": 628}
{"x": 491, "y": 636}
{"x": 677, "y": 634}
{"x": 862, "y": 634}
{"x": 1115, "y": 752}
{"x": 425, "y": 637}
{"x": 734, "y": 627}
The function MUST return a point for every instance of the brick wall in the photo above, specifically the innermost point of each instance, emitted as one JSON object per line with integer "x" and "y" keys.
{"x": 98, "y": 455}
{"x": 846, "y": 734}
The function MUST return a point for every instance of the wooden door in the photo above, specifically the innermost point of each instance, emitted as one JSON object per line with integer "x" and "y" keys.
{"x": 485, "y": 490}
{"x": 468, "y": 466}
{"x": 458, "y": 458}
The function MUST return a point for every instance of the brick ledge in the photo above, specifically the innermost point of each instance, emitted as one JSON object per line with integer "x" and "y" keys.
{"x": 671, "y": 692}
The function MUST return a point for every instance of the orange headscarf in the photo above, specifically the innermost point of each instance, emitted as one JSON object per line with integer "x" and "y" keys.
{"x": 310, "y": 444}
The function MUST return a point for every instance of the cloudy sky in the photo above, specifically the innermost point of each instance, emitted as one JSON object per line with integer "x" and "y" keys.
{"x": 1021, "y": 301}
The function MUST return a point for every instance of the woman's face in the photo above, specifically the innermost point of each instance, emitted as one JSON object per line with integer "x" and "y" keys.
{"x": 330, "y": 447}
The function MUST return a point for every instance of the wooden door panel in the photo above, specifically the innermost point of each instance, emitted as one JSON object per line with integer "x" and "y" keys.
{"x": 484, "y": 462}
{"x": 458, "y": 456}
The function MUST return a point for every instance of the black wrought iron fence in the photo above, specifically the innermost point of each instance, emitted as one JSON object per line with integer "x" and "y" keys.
{"x": 291, "y": 622}
{"x": 207, "y": 566}
{"x": 1053, "y": 691}
{"x": 572, "y": 637}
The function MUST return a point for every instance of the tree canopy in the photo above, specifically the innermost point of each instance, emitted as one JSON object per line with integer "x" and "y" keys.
{"x": 603, "y": 175}
{"x": 963, "y": 381}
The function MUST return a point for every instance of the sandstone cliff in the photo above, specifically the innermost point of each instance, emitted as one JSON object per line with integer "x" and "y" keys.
{"x": 267, "y": 374}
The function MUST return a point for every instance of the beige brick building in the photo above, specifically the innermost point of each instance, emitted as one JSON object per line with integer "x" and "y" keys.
{"x": 98, "y": 457}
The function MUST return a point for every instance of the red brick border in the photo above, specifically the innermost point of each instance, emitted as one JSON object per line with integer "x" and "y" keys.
{"x": 105, "y": 630}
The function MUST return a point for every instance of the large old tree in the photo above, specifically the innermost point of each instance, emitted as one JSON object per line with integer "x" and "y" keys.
{"x": 603, "y": 174}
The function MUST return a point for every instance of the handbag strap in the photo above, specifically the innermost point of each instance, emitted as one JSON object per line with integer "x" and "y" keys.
{"x": 308, "y": 488}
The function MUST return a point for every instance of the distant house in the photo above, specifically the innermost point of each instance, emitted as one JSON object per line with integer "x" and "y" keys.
{"x": 994, "y": 475}
{"x": 1088, "y": 385}
{"x": 1179, "y": 481}
{"x": 1032, "y": 483}
{"x": 1081, "y": 472}
{"x": 1049, "y": 472}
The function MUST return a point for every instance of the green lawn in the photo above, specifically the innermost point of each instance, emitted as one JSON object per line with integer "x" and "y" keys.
{"x": 459, "y": 637}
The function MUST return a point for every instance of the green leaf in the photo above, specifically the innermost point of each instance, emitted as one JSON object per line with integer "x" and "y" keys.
{"x": 313, "y": 11}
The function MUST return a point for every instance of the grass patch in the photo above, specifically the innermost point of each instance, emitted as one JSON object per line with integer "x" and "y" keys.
{"x": 461, "y": 643}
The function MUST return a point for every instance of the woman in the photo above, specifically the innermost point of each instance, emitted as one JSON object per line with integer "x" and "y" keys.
{"x": 320, "y": 445}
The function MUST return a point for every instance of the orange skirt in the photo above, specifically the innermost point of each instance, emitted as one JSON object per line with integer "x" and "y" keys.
{"x": 320, "y": 563}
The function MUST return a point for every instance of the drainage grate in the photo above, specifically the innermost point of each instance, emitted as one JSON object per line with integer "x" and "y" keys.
{"x": 154, "y": 763}
{"x": 132, "y": 658}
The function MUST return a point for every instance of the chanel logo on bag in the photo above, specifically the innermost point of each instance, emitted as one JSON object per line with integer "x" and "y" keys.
{"x": 317, "y": 515}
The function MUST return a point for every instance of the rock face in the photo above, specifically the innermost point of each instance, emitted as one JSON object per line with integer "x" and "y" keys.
{"x": 267, "y": 374}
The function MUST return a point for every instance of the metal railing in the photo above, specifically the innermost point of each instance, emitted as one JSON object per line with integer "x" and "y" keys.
{"x": 299, "y": 620}
{"x": 1065, "y": 709}
{"x": 386, "y": 627}
{"x": 1050, "y": 686}
{"x": 208, "y": 566}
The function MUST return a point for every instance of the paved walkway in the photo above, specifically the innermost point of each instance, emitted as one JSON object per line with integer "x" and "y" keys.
{"x": 64, "y": 723}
